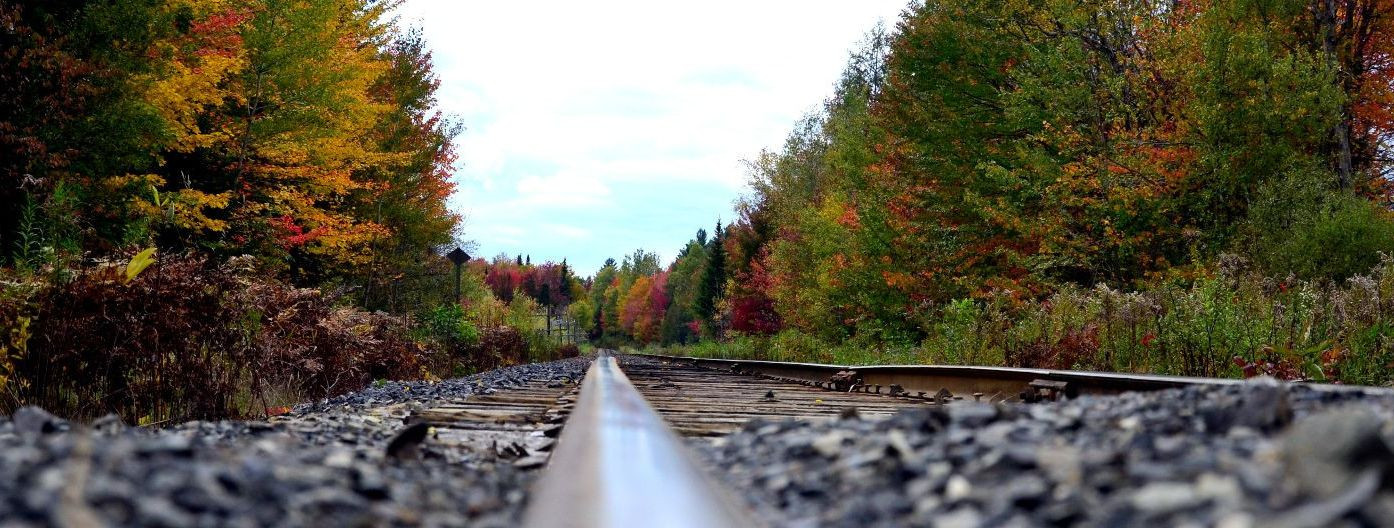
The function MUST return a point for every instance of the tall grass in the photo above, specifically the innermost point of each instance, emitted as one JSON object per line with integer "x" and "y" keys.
{"x": 1231, "y": 324}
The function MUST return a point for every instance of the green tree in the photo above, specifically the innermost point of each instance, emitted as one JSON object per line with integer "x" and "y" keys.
{"x": 713, "y": 283}
{"x": 683, "y": 279}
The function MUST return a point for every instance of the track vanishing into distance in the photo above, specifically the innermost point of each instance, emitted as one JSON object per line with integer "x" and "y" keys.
{"x": 621, "y": 459}
{"x": 699, "y": 401}
{"x": 648, "y": 441}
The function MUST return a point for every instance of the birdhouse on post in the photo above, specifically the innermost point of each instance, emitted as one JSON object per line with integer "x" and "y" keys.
{"x": 459, "y": 257}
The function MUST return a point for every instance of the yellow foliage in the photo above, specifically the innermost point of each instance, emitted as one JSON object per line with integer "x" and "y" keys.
{"x": 190, "y": 208}
{"x": 184, "y": 89}
{"x": 139, "y": 262}
{"x": 16, "y": 346}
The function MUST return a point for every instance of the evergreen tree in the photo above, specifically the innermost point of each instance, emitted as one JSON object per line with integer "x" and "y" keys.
{"x": 713, "y": 277}
{"x": 566, "y": 281}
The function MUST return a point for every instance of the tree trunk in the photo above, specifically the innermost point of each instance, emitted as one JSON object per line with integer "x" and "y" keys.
{"x": 1326, "y": 20}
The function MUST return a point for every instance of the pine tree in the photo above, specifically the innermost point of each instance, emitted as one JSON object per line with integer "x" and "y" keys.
{"x": 713, "y": 280}
{"x": 565, "y": 283}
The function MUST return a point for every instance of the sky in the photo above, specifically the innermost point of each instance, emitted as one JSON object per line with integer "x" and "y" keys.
{"x": 596, "y": 128}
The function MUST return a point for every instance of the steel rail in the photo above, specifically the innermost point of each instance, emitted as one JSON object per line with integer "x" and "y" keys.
{"x": 964, "y": 381}
{"x": 617, "y": 464}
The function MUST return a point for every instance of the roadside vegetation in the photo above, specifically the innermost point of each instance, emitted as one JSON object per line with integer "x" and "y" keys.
{"x": 1192, "y": 188}
{"x": 218, "y": 208}
{"x": 1238, "y": 323}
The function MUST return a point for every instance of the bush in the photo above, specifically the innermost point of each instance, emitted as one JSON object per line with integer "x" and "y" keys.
{"x": 307, "y": 347}
{"x": 568, "y": 351}
{"x": 1297, "y": 225}
{"x": 187, "y": 340}
{"x": 499, "y": 346}
{"x": 448, "y": 326}
{"x": 1236, "y": 322}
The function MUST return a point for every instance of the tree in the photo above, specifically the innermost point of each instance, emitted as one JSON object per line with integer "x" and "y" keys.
{"x": 544, "y": 295}
{"x": 684, "y": 276}
{"x": 410, "y": 198}
{"x": 302, "y": 133}
{"x": 710, "y": 289}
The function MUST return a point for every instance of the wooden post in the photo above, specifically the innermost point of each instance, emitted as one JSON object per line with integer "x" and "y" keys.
{"x": 459, "y": 258}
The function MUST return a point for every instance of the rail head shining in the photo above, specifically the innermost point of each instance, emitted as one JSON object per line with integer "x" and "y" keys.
{"x": 618, "y": 464}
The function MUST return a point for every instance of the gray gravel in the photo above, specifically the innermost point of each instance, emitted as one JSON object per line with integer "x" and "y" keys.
{"x": 324, "y": 465}
{"x": 425, "y": 393}
{"x": 1260, "y": 454}
{"x": 1257, "y": 454}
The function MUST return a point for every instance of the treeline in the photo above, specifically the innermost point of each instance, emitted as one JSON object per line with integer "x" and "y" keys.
{"x": 549, "y": 284}
{"x": 212, "y": 208}
{"x": 1000, "y": 153}
{"x": 637, "y": 300}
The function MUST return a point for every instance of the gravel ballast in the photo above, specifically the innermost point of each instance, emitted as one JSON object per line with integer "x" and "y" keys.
{"x": 323, "y": 465}
{"x": 1257, "y": 454}
{"x": 1261, "y": 453}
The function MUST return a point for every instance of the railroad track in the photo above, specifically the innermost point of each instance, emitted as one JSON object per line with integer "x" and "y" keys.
{"x": 519, "y": 424}
{"x": 621, "y": 460}
{"x": 706, "y": 402}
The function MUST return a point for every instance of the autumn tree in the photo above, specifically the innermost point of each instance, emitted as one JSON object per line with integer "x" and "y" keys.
{"x": 683, "y": 280}
{"x": 303, "y": 133}
{"x": 1002, "y": 150}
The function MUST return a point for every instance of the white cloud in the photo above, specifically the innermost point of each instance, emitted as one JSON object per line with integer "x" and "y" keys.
{"x": 567, "y": 103}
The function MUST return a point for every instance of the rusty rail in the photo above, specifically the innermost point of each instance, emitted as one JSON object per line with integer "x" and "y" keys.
{"x": 704, "y": 402}
{"x": 618, "y": 464}
{"x": 968, "y": 382}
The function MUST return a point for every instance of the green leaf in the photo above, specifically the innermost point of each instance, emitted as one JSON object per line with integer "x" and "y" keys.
{"x": 139, "y": 262}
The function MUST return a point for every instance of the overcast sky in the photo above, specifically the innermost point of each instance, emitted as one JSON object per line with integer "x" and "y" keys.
{"x": 595, "y": 128}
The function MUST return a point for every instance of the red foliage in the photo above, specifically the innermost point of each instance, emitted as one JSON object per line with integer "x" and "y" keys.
{"x": 1270, "y": 364}
{"x": 292, "y": 235}
{"x": 544, "y": 280}
{"x": 499, "y": 346}
{"x": 186, "y": 340}
{"x": 754, "y": 314}
{"x": 752, "y": 308}
{"x": 658, "y": 295}
{"x": 43, "y": 90}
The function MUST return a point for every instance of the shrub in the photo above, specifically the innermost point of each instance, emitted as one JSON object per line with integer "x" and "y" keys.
{"x": 153, "y": 348}
{"x": 499, "y": 346}
{"x": 449, "y": 325}
{"x": 1236, "y": 322}
{"x": 1297, "y": 225}
{"x": 568, "y": 350}
{"x": 448, "y": 328}
{"x": 303, "y": 342}
{"x": 187, "y": 340}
